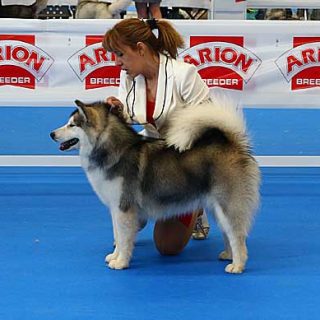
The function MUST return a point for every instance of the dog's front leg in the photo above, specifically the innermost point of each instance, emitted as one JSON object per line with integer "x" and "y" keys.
{"x": 126, "y": 226}
{"x": 115, "y": 253}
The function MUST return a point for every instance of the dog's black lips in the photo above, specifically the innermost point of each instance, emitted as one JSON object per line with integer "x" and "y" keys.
{"x": 68, "y": 144}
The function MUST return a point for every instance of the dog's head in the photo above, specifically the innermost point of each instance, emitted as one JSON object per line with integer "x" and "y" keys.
{"x": 85, "y": 125}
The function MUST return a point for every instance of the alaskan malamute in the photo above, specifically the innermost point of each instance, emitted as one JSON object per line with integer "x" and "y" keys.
{"x": 204, "y": 161}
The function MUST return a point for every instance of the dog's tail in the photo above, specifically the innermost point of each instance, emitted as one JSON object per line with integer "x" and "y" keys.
{"x": 186, "y": 125}
{"x": 117, "y": 6}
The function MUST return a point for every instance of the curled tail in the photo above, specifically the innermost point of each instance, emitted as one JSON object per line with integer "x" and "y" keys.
{"x": 186, "y": 125}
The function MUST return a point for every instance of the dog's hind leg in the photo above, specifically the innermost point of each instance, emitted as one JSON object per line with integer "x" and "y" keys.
{"x": 126, "y": 225}
{"x": 226, "y": 254}
{"x": 235, "y": 241}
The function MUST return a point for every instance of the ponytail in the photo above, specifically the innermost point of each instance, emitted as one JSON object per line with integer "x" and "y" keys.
{"x": 159, "y": 35}
{"x": 169, "y": 39}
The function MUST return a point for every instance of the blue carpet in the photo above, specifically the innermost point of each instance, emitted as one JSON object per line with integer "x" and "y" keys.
{"x": 52, "y": 246}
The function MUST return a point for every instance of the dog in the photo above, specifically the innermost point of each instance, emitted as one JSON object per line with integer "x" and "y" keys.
{"x": 204, "y": 161}
{"x": 90, "y": 9}
{"x": 22, "y": 11}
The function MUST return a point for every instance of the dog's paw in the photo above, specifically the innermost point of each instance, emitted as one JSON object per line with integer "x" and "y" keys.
{"x": 118, "y": 264}
{"x": 234, "y": 268}
{"x": 225, "y": 255}
{"x": 110, "y": 257}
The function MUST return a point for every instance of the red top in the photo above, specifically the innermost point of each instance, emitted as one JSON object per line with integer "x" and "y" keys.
{"x": 150, "y": 110}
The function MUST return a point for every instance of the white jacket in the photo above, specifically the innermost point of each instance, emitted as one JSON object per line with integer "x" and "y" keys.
{"x": 179, "y": 84}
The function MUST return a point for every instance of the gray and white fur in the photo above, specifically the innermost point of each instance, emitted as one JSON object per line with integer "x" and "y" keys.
{"x": 204, "y": 161}
{"x": 95, "y": 9}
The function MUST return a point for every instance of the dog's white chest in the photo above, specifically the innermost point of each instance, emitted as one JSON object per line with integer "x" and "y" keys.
{"x": 109, "y": 191}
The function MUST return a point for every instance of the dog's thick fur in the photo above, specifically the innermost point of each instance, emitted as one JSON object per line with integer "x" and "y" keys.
{"x": 204, "y": 161}
{"x": 91, "y": 9}
{"x": 22, "y": 11}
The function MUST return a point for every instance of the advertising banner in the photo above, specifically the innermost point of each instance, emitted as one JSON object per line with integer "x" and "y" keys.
{"x": 261, "y": 63}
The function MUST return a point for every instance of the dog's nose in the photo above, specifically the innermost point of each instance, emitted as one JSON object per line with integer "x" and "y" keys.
{"x": 52, "y": 135}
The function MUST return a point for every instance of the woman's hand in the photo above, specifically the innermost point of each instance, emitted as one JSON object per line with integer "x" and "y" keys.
{"x": 114, "y": 102}
{"x": 116, "y": 107}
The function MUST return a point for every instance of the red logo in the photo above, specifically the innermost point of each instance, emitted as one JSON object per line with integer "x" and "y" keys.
{"x": 222, "y": 61}
{"x": 301, "y": 65}
{"x": 94, "y": 65}
{"x": 21, "y": 62}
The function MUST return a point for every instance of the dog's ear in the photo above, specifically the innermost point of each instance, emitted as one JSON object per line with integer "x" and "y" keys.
{"x": 82, "y": 109}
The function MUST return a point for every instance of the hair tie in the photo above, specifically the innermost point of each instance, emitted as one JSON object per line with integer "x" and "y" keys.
{"x": 153, "y": 23}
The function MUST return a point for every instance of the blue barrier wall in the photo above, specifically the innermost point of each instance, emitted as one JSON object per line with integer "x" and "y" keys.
{"x": 274, "y": 132}
{"x": 25, "y": 131}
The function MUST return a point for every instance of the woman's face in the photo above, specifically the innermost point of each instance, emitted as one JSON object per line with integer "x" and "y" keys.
{"x": 129, "y": 60}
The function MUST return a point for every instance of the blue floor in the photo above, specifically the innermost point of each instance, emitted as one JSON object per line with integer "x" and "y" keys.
{"x": 54, "y": 237}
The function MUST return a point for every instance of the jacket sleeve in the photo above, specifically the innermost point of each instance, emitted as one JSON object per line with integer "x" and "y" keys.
{"x": 192, "y": 88}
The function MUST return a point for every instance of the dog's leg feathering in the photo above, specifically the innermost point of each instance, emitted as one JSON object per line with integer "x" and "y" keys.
{"x": 226, "y": 254}
{"x": 235, "y": 244}
{"x": 126, "y": 226}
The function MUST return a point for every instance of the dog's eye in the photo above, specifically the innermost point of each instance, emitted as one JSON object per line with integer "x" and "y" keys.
{"x": 71, "y": 125}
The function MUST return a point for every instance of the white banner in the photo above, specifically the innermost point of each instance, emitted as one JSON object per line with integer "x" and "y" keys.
{"x": 262, "y": 63}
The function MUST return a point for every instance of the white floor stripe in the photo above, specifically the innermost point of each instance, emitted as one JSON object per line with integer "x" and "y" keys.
{"x": 74, "y": 161}
{"x": 288, "y": 161}
{"x": 39, "y": 161}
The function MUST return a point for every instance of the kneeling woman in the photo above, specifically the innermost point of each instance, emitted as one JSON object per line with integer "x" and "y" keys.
{"x": 152, "y": 84}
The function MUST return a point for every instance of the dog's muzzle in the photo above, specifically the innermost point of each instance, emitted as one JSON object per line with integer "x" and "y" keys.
{"x": 66, "y": 144}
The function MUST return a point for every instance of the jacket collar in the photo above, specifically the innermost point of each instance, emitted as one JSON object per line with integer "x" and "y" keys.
{"x": 164, "y": 92}
{"x": 164, "y": 89}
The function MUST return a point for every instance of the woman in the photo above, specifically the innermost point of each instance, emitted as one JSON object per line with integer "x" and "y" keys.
{"x": 152, "y": 84}
{"x": 148, "y": 7}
